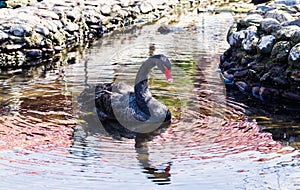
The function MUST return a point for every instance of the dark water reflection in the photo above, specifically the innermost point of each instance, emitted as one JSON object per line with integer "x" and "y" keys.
{"x": 210, "y": 143}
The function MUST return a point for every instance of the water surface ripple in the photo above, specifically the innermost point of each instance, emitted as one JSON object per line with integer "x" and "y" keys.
{"x": 212, "y": 142}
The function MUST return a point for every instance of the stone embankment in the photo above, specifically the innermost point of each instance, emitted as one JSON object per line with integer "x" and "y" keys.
{"x": 40, "y": 29}
{"x": 264, "y": 55}
{"x": 35, "y": 30}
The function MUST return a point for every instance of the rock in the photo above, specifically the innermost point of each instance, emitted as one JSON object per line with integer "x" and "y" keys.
{"x": 106, "y": 10}
{"x": 3, "y": 36}
{"x": 287, "y": 2}
{"x": 227, "y": 77}
{"x": 255, "y": 91}
{"x": 289, "y": 33}
{"x": 21, "y": 30}
{"x": 294, "y": 56}
{"x": 251, "y": 20}
{"x": 47, "y": 14}
{"x": 279, "y": 15}
{"x": 74, "y": 15}
{"x": 290, "y": 23}
{"x": 265, "y": 44}
{"x": 92, "y": 17}
{"x": 267, "y": 94}
{"x": 291, "y": 96}
{"x": 116, "y": 8}
{"x": 42, "y": 30}
{"x": 250, "y": 41}
{"x": 264, "y": 8}
{"x": 35, "y": 40}
{"x": 227, "y": 65}
{"x": 71, "y": 27}
{"x": 280, "y": 82}
{"x": 242, "y": 86}
{"x": 255, "y": 2}
{"x": 35, "y": 53}
{"x": 241, "y": 73}
{"x": 13, "y": 46}
{"x": 146, "y": 7}
{"x": 127, "y": 3}
{"x": 270, "y": 25}
{"x": 280, "y": 51}
{"x": 50, "y": 25}
{"x": 295, "y": 75}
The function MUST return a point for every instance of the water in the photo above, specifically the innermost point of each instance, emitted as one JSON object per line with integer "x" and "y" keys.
{"x": 212, "y": 142}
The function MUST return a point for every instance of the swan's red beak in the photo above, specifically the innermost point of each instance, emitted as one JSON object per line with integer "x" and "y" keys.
{"x": 168, "y": 74}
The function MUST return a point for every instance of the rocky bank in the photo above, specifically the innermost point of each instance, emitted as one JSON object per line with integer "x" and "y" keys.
{"x": 264, "y": 55}
{"x": 32, "y": 31}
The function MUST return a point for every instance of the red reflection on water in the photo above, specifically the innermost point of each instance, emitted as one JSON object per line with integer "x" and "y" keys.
{"x": 40, "y": 123}
{"x": 219, "y": 137}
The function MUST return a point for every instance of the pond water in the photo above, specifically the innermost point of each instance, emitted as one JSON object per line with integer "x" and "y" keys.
{"x": 212, "y": 142}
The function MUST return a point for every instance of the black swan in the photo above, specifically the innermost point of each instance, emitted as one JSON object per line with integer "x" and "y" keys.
{"x": 135, "y": 109}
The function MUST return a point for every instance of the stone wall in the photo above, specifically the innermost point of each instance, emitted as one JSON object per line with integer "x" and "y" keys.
{"x": 35, "y": 30}
{"x": 264, "y": 55}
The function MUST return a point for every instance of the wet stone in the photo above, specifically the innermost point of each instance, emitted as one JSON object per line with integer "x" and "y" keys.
{"x": 265, "y": 44}
{"x": 270, "y": 25}
{"x": 236, "y": 38}
{"x": 280, "y": 51}
{"x": 34, "y": 53}
{"x": 279, "y": 15}
{"x": 42, "y": 30}
{"x": 291, "y": 23}
{"x": 251, "y": 20}
{"x": 287, "y": 2}
{"x": 21, "y": 30}
{"x": 294, "y": 56}
{"x": 251, "y": 40}
{"x": 289, "y": 33}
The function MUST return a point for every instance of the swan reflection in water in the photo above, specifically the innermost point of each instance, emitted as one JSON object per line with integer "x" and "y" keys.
{"x": 159, "y": 175}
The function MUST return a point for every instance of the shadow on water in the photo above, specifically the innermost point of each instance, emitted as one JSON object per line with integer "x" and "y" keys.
{"x": 281, "y": 119}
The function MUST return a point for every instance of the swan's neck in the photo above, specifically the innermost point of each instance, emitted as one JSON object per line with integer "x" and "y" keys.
{"x": 141, "y": 90}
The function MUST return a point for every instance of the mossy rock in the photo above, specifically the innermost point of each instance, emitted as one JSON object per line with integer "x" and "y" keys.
{"x": 35, "y": 40}
{"x": 280, "y": 51}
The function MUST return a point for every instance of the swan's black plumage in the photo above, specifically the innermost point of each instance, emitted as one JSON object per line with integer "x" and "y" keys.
{"x": 131, "y": 106}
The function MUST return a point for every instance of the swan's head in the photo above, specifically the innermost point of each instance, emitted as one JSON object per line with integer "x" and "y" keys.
{"x": 163, "y": 63}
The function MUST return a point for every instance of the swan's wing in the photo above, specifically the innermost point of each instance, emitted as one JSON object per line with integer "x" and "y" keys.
{"x": 122, "y": 88}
